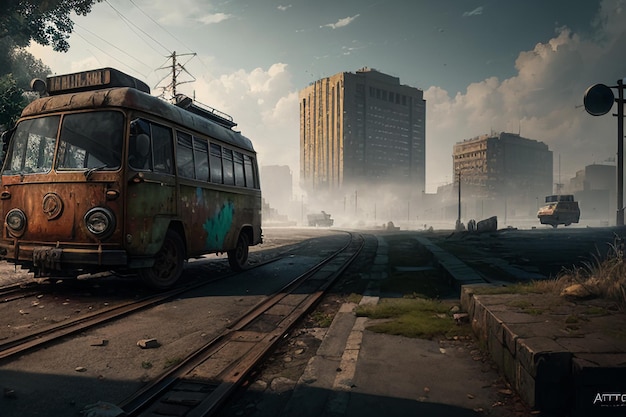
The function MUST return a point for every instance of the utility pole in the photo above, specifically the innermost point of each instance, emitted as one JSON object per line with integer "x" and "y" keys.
{"x": 599, "y": 100}
{"x": 175, "y": 70}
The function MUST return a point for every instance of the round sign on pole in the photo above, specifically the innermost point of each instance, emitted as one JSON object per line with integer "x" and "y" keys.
{"x": 598, "y": 99}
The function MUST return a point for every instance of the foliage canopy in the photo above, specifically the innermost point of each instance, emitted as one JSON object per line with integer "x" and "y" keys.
{"x": 46, "y": 22}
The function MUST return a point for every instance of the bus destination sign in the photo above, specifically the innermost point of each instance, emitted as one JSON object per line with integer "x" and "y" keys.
{"x": 93, "y": 80}
{"x": 86, "y": 80}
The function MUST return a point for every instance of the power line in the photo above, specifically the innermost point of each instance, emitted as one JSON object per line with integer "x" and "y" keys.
{"x": 129, "y": 23}
{"x": 108, "y": 54}
{"x": 110, "y": 44}
{"x": 159, "y": 25}
{"x": 168, "y": 32}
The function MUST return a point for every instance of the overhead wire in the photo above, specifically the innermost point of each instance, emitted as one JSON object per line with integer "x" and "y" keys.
{"x": 159, "y": 25}
{"x": 112, "y": 45}
{"x": 170, "y": 34}
{"x": 108, "y": 54}
{"x": 129, "y": 23}
{"x": 151, "y": 41}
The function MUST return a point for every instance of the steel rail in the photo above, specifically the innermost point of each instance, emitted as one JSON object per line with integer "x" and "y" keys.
{"x": 49, "y": 334}
{"x": 201, "y": 383}
{"x": 16, "y": 292}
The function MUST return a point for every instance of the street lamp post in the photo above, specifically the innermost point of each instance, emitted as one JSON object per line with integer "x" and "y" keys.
{"x": 598, "y": 100}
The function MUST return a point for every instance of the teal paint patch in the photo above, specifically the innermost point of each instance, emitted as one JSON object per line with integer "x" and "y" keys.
{"x": 218, "y": 226}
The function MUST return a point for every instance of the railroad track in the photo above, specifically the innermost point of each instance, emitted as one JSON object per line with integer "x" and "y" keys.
{"x": 202, "y": 382}
{"x": 17, "y": 291}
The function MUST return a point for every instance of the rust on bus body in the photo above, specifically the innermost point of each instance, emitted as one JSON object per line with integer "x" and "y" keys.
{"x": 54, "y": 208}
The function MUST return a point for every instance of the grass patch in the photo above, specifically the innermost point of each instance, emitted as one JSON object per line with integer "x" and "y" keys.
{"x": 417, "y": 318}
{"x": 354, "y": 298}
{"x": 322, "y": 319}
{"x": 520, "y": 304}
{"x": 533, "y": 287}
{"x": 172, "y": 362}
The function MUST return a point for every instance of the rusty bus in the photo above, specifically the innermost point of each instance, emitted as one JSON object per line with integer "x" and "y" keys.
{"x": 99, "y": 175}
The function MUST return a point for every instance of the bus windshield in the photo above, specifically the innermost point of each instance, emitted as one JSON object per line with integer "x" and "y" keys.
{"x": 87, "y": 141}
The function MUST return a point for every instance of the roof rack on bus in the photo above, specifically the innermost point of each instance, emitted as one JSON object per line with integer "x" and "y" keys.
{"x": 205, "y": 111}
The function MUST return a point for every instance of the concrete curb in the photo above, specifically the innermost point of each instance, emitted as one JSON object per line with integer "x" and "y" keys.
{"x": 559, "y": 375}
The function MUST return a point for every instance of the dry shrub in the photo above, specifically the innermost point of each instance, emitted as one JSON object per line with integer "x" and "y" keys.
{"x": 603, "y": 278}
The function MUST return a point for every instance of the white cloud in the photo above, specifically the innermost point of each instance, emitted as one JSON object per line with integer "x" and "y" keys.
{"x": 476, "y": 12}
{"x": 211, "y": 18}
{"x": 282, "y": 8}
{"x": 264, "y": 103}
{"x": 543, "y": 101}
{"x": 341, "y": 22}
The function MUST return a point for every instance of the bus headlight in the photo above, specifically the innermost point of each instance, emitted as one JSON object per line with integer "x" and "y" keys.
{"x": 100, "y": 221}
{"x": 16, "y": 222}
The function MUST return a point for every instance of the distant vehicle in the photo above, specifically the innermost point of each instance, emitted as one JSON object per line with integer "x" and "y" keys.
{"x": 559, "y": 209}
{"x": 320, "y": 219}
{"x": 99, "y": 175}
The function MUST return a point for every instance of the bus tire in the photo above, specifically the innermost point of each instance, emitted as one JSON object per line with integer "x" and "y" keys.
{"x": 238, "y": 257}
{"x": 168, "y": 263}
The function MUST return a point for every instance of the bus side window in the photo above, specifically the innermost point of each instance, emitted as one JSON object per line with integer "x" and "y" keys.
{"x": 227, "y": 161}
{"x": 140, "y": 152}
{"x": 240, "y": 180}
{"x": 215, "y": 161}
{"x": 184, "y": 155}
{"x": 162, "y": 148}
{"x": 201, "y": 158}
{"x": 249, "y": 171}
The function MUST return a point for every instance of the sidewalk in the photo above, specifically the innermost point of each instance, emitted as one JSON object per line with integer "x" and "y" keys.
{"x": 360, "y": 373}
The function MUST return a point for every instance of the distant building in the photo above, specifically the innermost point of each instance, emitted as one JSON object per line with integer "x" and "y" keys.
{"x": 595, "y": 189}
{"x": 362, "y": 128}
{"x": 277, "y": 186}
{"x": 506, "y": 170}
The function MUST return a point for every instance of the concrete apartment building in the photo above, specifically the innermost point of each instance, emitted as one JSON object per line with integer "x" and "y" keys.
{"x": 361, "y": 129}
{"x": 511, "y": 173}
{"x": 595, "y": 189}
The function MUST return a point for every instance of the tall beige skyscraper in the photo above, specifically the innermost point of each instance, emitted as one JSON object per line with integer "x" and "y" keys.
{"x": 361, "y": 129}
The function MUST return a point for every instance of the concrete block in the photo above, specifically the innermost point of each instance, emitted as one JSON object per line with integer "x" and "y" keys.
{"x": 496, "y": 350}
{"x": 509, "y": 367}
{"x": 529, "y": 352}
{"x": 524, "y": 384}
{"x": 509, "y": 339}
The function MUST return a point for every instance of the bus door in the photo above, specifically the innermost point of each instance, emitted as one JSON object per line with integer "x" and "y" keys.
{"x": 151, "y": 193}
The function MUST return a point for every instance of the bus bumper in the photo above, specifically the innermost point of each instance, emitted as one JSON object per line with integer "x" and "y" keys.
{"x": 59, "y": 257}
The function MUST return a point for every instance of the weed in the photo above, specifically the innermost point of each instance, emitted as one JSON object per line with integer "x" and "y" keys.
{"x": 354, "y": 298}
{"x": 146, "y": 364}
{"x": 322, "y": 319}
{"x": 172, "y": 362}
{"x": 523, "y": 304}
{"x": 605, "y": 277}
{"x": 416, "y": 317}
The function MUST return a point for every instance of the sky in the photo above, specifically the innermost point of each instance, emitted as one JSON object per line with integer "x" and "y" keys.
{"x": 484, "y": 66}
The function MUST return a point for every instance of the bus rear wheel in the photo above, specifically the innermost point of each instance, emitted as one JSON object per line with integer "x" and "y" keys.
{"x": 168, "y": 263}
{"x": 238, "y": 257}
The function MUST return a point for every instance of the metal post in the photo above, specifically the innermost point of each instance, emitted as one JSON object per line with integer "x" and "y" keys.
{"x": 459, "y": 216}
{"x": 620, "y": 153}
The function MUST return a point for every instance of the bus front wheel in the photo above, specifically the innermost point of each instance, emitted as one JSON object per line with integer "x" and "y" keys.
{"x": 238, "y": 257}
{"x": 168, "y": 263}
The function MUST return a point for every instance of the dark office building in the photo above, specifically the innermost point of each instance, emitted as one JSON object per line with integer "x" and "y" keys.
{"x": 362, "y": 128}
{"x": 503, "y": 174}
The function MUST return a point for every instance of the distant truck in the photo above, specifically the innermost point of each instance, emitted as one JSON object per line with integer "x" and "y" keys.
{"x": 559, "y": 209}
{"x": 320, "y": 219}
